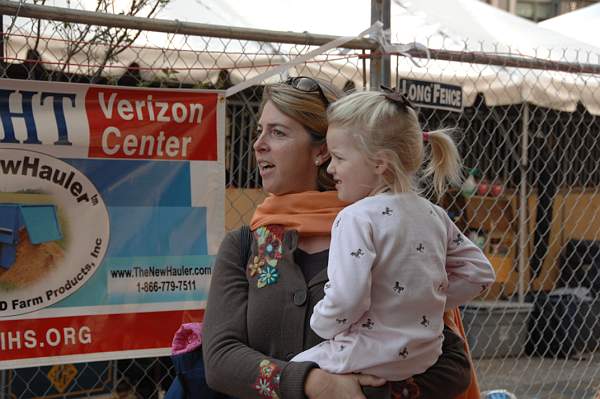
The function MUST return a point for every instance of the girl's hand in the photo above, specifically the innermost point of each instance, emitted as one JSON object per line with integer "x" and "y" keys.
{"x": 323, "y": 385}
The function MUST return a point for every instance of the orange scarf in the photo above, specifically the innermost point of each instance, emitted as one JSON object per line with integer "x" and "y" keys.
{"x": 311, "y": 213}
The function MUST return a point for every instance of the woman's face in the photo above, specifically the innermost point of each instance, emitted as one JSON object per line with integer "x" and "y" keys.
{"x": 285, "y": 153}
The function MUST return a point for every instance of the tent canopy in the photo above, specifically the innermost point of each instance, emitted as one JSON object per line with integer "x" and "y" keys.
{"x": 582, "y": 24}
{"x": 468, "y": 25}
{"x": 459, "y": 25}
{"x": 473, "y": 25}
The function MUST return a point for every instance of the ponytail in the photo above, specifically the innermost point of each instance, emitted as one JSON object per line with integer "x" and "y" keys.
{"x": 445, "y": 164}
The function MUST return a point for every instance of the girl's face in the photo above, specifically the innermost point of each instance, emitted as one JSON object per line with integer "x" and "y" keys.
{"x": 285, "y": 153}
{"x": 356, "y": 177}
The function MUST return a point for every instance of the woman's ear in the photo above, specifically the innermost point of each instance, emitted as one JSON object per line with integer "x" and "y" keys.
{"x": 323, "y": 154}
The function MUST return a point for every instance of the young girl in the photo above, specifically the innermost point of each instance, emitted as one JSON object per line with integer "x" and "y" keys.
{"x": 396, "y": 260}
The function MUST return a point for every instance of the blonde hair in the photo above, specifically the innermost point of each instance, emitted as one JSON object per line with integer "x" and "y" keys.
{"x": 308, "y": 109}
{"x": 384, "y": 128}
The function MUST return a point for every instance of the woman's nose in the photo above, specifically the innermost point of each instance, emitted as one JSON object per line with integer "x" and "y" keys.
{"x": 259, "y": 143}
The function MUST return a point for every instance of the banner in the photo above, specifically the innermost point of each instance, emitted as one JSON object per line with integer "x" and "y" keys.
{"x": 111, "y": 211}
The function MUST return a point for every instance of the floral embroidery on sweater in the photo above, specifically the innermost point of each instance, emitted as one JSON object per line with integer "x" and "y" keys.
{"x": 256, "y": 266}
{"x": 268, "y": 379}
{"x": 268, "y": 275}
{"x": 264, "y": 265}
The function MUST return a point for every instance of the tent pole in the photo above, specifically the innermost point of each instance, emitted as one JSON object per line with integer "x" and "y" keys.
{"x": 375, "y": 71}
{"x": 380, "y": 63}
{"x": 523, "y": 205}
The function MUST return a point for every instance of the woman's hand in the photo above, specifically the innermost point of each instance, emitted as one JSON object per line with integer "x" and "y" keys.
{"x": 323, "y": 385}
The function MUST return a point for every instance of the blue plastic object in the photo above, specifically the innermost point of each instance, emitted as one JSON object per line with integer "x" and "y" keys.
{"x": 10, "y": 223}
{"x": 8, "y": 255}
{"x": 498, "y": 394}
{"x": 41, "y": 223}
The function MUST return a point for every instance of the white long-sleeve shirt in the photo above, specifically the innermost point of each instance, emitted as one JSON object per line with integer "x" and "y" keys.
{"x": 396, "y": 262}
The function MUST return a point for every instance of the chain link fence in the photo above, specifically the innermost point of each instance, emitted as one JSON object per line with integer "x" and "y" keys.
{"x": 530, "y": 200}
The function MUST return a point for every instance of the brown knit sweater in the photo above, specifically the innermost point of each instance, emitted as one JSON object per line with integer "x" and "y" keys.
{"x": 250, "y": 333}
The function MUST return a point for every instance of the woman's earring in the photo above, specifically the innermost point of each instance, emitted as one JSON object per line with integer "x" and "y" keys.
{"x": 317, "y": 162}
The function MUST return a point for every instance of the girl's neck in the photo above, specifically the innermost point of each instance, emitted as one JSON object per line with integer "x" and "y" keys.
{"x": 383, "y": 188}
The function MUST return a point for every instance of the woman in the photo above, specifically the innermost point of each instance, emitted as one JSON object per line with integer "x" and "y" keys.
{"x": 258, "y": 312}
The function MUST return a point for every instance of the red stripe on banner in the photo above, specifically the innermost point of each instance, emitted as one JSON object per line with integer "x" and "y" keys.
{"x": 152, "y": 124}
{"x": 74, "y": 335}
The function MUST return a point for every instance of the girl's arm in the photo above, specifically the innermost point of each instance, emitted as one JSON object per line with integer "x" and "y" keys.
{"x": 348, "y": 292}
{"x": 469, "y": 271}
{"x": 232, "y": 367}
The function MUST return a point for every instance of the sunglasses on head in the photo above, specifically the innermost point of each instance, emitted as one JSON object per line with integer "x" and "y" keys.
{"x": 307, "y": 85}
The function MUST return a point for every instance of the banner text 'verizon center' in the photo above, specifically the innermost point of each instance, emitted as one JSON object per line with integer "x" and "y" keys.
{"x": 122, "y": 123}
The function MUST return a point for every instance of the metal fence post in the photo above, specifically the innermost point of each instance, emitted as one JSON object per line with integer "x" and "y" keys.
{"x": 380, "y": 62}
{"x": 523, "y": 203}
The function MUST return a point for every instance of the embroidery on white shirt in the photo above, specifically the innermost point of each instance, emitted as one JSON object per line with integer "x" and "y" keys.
{"x": 398, "y": 288}
{"x": 403, "y": 353}
{"x": 458, "y": 240}
{"x": 358, "y": 253}
{"x": 368, "y": 324}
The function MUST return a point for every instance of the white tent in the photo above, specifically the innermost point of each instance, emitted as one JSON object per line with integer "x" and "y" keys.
{"x": 582, "y": 24}
{"x": 473, "y": 25}
{"x": 449, "y": 24}
{"x": 459, "y": 25}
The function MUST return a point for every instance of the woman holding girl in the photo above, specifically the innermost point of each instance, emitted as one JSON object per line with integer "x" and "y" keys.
{"x": 258, "y": 312}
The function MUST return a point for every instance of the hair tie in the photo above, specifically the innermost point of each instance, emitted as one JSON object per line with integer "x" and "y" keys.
{"x": 426, "y": 136}
{"x": 396, "y": 97}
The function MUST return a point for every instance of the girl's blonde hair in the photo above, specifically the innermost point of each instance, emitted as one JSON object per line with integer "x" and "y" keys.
{"x": 384, "y": 128}
{"x": 310, "y": 110}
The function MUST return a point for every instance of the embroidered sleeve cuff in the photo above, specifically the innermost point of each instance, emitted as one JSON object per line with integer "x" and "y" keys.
{"x": 293, "y": 377}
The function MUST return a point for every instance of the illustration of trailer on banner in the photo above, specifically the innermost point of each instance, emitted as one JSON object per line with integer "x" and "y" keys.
{"x": 54, "y": 230}
{"x": 111, "y": 212}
